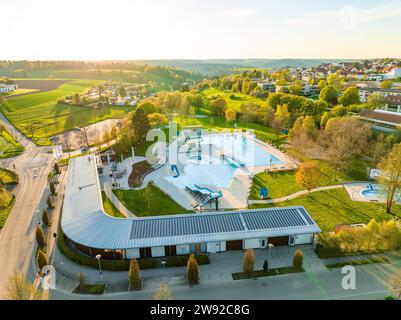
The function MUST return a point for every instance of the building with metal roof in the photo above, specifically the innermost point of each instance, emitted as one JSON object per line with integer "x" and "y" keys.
{"x": 90, "y": 230}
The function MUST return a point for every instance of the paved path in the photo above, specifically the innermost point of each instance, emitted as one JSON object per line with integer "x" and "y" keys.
{"x": 295, "y": 195}
{"x": 17, "y": 236}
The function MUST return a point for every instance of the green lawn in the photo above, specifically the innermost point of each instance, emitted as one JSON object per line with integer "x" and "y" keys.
{"x": 235, "y": 102}
{"x": 110, "y": 208}
{"x": 8, "y": 146}
{"x": 332, "y": 207}
{"x": 21, "y": 91}
{"x": 49, "y": 117}
{"x": 159, "y": 204}
{"x": 4, "y": 213}
{"x": 262, "y": 132}
{"x": 281, "y": 184}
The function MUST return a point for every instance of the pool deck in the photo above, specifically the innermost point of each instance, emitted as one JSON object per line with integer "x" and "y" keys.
{"x": 354, "y": 190}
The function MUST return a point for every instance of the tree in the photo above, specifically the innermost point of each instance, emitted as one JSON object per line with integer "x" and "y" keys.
{"x": 76, "y": 99}
{"x": 390, "y": 177}
{"x": 308, "y": 175}
{"x": 310, "y": 126}
{"x": 298, "y": 259}
{"x": 134, "y": 275}
{"x": 247, "y": 111}
{"x": 339, "y": 111}
{"x": 163, "y": 293}
{"x": 186, "y": 108}
{"x": 329, "y": 94}
{"x": 192, "y": 270}
{"x": 40, "y": 237}
{"x": 45, "y": 217}
{"x": 140, "y": 125}
{"x": 113, "y": 133}
{"x": 335, "y": 80}
{"x": 42, "y": 260}
{"x": 322, "y": 83}
{"x": 218, "y": 106}
{"x": 49, "y": 202}
{"x": 295, "y": 88}
{"x": 231, "y": 115}
{"x": 283, "y": 114}
{"x": 85, "y": 135}
{"x": 268, "y": 116}
{"x": 277, "y": 126}
{"x": 350, "y": 96}
{"x": 56, "y": 168}
{"x": 2, "y": 128}
{"x": 52, "y": 188}
{"x": 17, "y": 288}
{"x": 376, "y": 101}
{"x": 147, "y": 195}
{"x": 265, "y": 265}
{"x": 386, "y": 84}
{"x": 66, "y": 143}
{"x": 342, "y": 146}
{"x": 106, "y": 136}
{"x": 173, "y": 102}
{"x": 122, "y": 92}
{"x": 156, "y": 120}
{"x": 248, "y": 261}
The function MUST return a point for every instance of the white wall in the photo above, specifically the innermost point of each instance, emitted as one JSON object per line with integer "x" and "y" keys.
{"x": 132, "y": 253}
{"x": 158, "y": 252}
{"x": 251, "y": 243}
{"x": 213, "y": 247}
{"x": 303, "y": 238}
{"x": 222, "y": 246}
{"x": 182, "y": 249}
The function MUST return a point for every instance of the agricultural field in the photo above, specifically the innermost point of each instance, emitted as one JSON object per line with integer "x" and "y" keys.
{"x": 39, "y": 116}
{"x": 21, "y": 92}
{"x": 8, "y": 146}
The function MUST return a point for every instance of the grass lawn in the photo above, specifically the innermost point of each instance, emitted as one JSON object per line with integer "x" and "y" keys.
{"x": 332, "y": 207}
{"x": 159, "y": 202}
{"x": 262, "y": 132}
{"x": 21, "y": 91}
{"x": 8, "y": 146}
{"x": 49, "y": 117}
{"x": 110, "y": 208}
{"x": 91, "y": 289}
{"x": 281, "y": 184}
{"x": 235, "y": 102}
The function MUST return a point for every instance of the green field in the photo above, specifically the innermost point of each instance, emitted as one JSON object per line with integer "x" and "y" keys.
{"x": 281, "y": 184}
{"x": 235, "y": 102}
{"x": 8, "y": 177}
{"x": 159, "y": 204}
{"x": 49, "y": 117}
{"x": 8, "y": 146}
{"x": 21, "y": 91}
{"x": 332, "y": 207}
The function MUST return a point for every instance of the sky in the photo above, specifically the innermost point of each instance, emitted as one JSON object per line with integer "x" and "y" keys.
{"x": 199, "y": 29}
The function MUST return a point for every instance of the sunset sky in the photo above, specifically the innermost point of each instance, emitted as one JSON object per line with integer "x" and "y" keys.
{"x": 195, "y": 29}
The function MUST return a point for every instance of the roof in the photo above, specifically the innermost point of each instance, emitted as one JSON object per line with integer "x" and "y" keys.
{"x": 373, "y": 89}
{"x": 85, "y": 222}
{"x": 382, "y": 116}
{"x": 393, "y": 99}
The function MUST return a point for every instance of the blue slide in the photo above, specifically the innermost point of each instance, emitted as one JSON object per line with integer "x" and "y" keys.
{"x": 175, "y": 170}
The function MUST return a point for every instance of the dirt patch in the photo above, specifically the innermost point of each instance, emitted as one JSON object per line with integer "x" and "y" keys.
{"x": 41, "y": 85}
{"x": 139, "y": 171}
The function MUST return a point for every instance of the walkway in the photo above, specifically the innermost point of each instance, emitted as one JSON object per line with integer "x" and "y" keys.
{"x": 294, "y": 195}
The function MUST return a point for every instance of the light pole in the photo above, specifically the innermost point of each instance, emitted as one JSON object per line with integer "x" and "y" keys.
{"x": 98, "y": 256}
{"x": 271, "y": 246}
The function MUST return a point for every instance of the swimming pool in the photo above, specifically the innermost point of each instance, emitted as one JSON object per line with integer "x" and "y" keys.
{"x": 210, "y": 169}
{"x": 375, "y": 193}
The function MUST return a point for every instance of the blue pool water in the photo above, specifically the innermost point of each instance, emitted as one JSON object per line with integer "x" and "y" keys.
{"x": 373, "y": 192}
{"x": 211, "y": 170}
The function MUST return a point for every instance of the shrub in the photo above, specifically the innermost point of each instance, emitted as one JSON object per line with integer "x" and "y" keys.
{"x": 181, "y": 261}
{"x": 298, "y": 259}
{"x": 56, "y": 168}
{"x": 248, "y": 262}
{"x": 45, "y": 217}
{"x": 49, "y": 202}
{"x": 42, "y": 260}
{"x": 133, "y": 275}
{"x": 52, "y": 188}
{"x": 40, "y": 237}
{"x": 265, "y": 265}
{"x": 192, "y": 270}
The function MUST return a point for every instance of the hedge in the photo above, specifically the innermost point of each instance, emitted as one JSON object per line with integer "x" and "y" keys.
{"x": 123, "y": 265}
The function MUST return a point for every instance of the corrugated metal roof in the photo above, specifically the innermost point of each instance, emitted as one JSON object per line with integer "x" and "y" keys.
{"x": 89, "y": 225}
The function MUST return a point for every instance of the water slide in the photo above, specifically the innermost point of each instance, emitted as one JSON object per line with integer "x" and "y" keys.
{"x": 207, "y": 192}
{"x": 175, "y": 170}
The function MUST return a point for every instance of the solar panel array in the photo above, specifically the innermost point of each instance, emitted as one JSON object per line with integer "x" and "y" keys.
{"x": 219, "y": 223}
{"x": 185, "y": 225}
{"x": 276, "y": 218}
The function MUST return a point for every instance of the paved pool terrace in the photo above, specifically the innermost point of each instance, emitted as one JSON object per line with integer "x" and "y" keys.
{"x": 366, "y": 192}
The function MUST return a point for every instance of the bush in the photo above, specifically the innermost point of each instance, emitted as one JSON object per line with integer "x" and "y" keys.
{"x": 52, "y": 188}
{"x": 192, "y": 270}
{"x": 40, "y": 237}
{"x": 42, "y": 260}
{"x": 133, "y": 275}
{"x": 49, "y": 202}
{"x": 45, "y": 217}
{"x": 181, "y": 261}
{"x": 298, "y": 259}
{"x": 248, "y": 262}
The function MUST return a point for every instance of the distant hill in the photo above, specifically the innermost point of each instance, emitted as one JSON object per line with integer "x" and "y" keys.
{"x": 211, "y": 67}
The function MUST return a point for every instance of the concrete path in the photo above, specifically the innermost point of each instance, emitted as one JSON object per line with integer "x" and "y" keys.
{"x": 294, "y": 195}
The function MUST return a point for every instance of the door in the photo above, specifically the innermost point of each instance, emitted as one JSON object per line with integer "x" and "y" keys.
{"x": 145, "y": 252}
{"x": 234, "y": 245}
{"x": 170, "y": 251}
{"x": 279, "y": 241}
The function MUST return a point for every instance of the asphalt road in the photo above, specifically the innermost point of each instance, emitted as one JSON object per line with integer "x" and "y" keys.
{"x": 17, "y": 236}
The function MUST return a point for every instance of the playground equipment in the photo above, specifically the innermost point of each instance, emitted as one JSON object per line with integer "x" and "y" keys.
{"x": 263, "y": 193}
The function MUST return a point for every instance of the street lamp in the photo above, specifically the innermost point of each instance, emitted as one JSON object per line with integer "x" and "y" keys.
{"x": 98, "y": 256}
{"x": 271, "y": 246}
